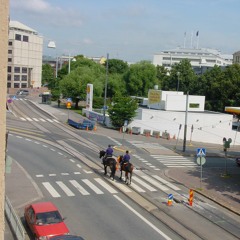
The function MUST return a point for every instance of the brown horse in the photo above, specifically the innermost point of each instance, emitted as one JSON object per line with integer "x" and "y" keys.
{"x": 127, "y": 168}
{"x": 108, "y": 162}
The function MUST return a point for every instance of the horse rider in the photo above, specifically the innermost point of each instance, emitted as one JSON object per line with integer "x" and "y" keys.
{"x": 126, "y": 159}
{"x": 109, "y": 152}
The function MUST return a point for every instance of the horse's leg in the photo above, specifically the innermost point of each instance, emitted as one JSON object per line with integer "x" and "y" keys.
{"x": 105, "y": 169}
{"x": 126, "y": 177}
{"x": 121, "y": 175}
{"x": 130, "y": 177}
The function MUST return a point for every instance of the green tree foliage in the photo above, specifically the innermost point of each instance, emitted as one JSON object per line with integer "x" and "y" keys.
{"x": 123, "y": 108}
{"x": 140, "y": 78}
{"x": 117, "y": 66}
{"x": 162, "y": 76}
{"x": 48, "y": 75}
{"x": 184, "y": 74}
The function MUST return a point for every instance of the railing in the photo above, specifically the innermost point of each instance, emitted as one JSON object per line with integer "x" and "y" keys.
{"x": 15, "y": 222}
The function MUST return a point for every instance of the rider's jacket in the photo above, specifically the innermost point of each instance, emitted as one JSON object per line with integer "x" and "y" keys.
{"x": 126, "y": 158}
{"x": 109, "y": 151}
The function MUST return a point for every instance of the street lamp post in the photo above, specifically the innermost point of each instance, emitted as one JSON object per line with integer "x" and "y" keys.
{"x": 178, "y": 73}
{"x": 105, "y": 92}
{"x": 69, "y": 62}
{"x": 185, "y": 126}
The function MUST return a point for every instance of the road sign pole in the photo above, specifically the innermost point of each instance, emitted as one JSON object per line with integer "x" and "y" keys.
{"x": 226, "y": 162}
{"x": 201, "y": 172}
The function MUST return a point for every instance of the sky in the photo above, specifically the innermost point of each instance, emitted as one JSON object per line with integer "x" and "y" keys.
{"x": 131, "y": 30}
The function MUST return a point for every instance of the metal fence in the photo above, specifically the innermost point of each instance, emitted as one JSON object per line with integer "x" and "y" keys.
{"x": 14, "y": 220}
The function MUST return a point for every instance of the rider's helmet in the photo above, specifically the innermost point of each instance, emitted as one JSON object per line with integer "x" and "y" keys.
{"x": 109, "y": 145}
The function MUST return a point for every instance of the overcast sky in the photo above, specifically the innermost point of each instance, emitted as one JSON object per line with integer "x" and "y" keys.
{"x": 131, "y": 30}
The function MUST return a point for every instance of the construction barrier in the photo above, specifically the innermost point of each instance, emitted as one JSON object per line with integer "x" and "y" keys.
{"x": 190, "y": 200}
{"x": 146, "y": 132}
{"x": 156, "y": 134}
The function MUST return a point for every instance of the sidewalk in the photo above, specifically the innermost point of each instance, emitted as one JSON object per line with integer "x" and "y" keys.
{"x": 214, "y": 185}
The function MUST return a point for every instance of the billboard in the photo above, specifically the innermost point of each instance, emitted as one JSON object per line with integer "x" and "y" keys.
{"x": 154, "y": 96}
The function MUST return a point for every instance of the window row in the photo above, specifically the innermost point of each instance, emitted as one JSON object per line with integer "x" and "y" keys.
{"x": 16, "y": 85}
{"x": 17, "y": 77}
{"x": 20, "y": 37}
{"x": 17, "y": 69}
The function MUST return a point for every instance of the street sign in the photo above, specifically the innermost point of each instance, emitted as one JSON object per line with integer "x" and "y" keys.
{"x": 125, "y": 123}
{"x": 14, "y": 98}
{"x": 69, "y": 100}
{"x": 68, "y": 104}
{"x": 201, "y": 161}
{"x": 201, "y": 152}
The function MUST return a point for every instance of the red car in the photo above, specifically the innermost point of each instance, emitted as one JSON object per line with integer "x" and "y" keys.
{"x": 44, "y": 220}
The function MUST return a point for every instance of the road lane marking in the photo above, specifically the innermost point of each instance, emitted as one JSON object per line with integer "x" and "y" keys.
{"x": 43, "y": 120}
{"x": 143, "y": 218}
{"x": 65, "y": 189}
{"x": 55, "y": 120}
{"x": 166, "y": 182}
{"x": 29, "y": 119}
{"x": 51, "y": 190}
{"x": 92, "y": 186}
{"x": 155, "y": 183}
{"x": 51, "y": 121}
{"x": 79, "y": 187}
{"x": 137, "y": 188}
{"x": 35, "y": 119}
{"x": 138, "y": 180}
{"x": 23, "y": 119}
{"x": 122, "y": 187}
{"x": 105, "y": 185}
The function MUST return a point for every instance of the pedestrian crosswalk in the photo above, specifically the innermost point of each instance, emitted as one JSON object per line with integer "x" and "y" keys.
{"x": 141, "y": 183}
{"x": 149, "y": 145}
{"x": 39, "y": 119}
{"x": 174, "y": 161}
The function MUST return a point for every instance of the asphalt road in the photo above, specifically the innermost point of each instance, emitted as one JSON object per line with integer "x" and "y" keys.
{"x": 40, "y": 143}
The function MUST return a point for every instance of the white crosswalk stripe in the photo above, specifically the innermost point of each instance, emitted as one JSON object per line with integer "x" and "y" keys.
{"x": 92, "y": 186}
{"x": 141, "y": 144}
{"x": 105, "y": 185}
{"x": 65, "y": 189}
{"x": 39, "y": 119}
{"x": 79, "y": 187}
{"x": 141, "y": 183}
{"x": 51, "y": 189}
{"x": 174, "y": 161}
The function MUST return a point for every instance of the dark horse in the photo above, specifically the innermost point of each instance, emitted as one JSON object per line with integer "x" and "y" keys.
{"x": 108, "y": 162}
{"x": 127, "y": 168}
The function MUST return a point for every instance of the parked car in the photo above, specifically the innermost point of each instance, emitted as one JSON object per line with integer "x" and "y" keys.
{"x": 44, "y": 220}
{"x": 67, "y": 237}
{"x": 22, "y": 92}
{"x": 238, "y": 161}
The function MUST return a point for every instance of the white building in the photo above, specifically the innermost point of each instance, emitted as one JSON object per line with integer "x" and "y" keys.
{"x": 24, "y": 56}
{"x": 198, "y": 58}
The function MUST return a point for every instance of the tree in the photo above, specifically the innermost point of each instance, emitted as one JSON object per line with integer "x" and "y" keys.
{"x": 48, "y": 75}
{"x": 140, "y": 78}
{"x": 117, "y": 66}
{"x": 123, "y": 108}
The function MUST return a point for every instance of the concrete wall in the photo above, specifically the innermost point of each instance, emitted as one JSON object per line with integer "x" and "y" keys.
{"x": 207, "y": 127}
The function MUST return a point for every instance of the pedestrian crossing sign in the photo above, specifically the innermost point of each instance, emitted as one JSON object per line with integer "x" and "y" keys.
{"x": 201, "y": 152}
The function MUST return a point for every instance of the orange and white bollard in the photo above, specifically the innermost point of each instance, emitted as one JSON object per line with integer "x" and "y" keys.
{"x": 87, "y": 128}
{"x": 190, "y": 200}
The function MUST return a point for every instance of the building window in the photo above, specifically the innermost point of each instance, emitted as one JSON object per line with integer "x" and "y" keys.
{"x": 16, "y": 85}
{"x": 9, "y": 78}
{"x": 17, "y": 69}
{"x": 16, "y": 77}
{"x": 25, "y": 38}
{"x": 9, "y": 51}
{"x": 9, "y": 59}
{"x": 24, "y": 70}
{"x": 9, "y": 69}
{"x": 18, "y": 37}
{"x": 8, "y": 84}
{"x": 24, "y": 85}
{"x": 24, "y": 77}
{"x": 9, "y": 43}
